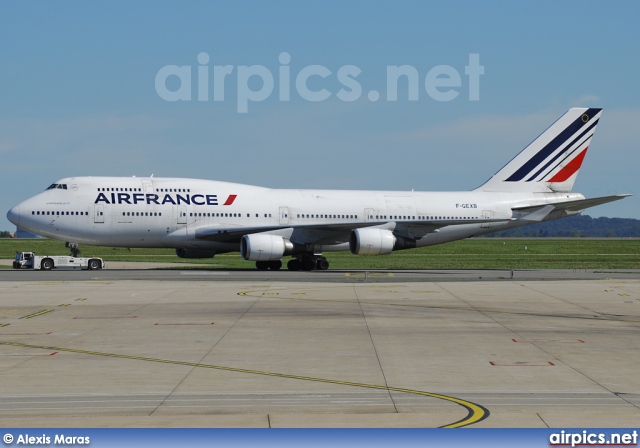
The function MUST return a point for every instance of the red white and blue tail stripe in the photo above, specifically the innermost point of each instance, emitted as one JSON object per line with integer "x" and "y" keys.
{"x": 551, "y": 162}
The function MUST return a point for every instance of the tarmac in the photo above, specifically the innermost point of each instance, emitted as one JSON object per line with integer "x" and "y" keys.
{"x": 158, "y": 348}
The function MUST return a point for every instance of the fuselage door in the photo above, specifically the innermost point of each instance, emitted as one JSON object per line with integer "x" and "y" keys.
{"x": 486, "y": 214}
{"x": 182, "y": 214}
{"x": 368, "y": 214}
{"x": 98, "y": 214}
{"x": 147, "y": 186}
{"x": 284, "y": 215}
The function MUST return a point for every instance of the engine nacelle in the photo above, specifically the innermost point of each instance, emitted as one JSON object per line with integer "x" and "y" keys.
{"x": 260, "y": 247}
{"x": 371, "y": 242}
{"x": 195, "y": 253}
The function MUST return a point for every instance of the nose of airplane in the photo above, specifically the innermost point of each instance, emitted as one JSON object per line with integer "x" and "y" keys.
{"x": 13, "y": 215}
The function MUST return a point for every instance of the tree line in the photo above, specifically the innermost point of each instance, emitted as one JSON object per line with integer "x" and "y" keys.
{"x": 577, "y": 226}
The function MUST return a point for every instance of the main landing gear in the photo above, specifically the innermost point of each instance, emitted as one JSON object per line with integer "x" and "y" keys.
{"x": 308, "y": 263}
{"x": 274, "y": 265}
{"x": 302, "y": 263}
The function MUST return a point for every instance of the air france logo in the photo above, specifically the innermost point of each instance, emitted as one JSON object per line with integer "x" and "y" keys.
{"x": 173, "y": 199}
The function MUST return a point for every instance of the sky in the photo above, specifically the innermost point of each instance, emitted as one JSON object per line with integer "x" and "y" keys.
{"x": 296, "y": 95}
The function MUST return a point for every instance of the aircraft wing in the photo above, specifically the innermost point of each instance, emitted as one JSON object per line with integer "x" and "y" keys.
{"x": 230, "y": 234}
{"x": 334, "y": 231}
{"x": 539, "y": 212}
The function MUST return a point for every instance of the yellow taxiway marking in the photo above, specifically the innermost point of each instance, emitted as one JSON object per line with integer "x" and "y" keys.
{"x": 51, "y": 283}
{"x": 39, "y": 313}
{"x": 368, "y": 274}
{"x": 475, "y": 412}
{"x": 258, "y": 293}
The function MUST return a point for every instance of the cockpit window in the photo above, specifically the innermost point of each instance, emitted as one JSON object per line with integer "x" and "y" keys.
{"x": 60, "y": 186}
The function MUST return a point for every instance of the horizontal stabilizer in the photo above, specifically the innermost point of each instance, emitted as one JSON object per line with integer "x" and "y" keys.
{"x": 539, "y": 212}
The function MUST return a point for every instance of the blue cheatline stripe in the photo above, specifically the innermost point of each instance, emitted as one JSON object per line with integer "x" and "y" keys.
{"x": 551, "y": 147}
{"x": 595, "y": 122}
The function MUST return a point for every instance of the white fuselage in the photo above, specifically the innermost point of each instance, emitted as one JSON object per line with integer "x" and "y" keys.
{"x": 168, "y": 212}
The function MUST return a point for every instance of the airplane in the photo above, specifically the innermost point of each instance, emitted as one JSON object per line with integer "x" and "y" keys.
{"x": 202, "y": 218}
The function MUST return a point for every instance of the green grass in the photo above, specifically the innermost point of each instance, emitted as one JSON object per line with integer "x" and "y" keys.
{"x": 482, "y": 253}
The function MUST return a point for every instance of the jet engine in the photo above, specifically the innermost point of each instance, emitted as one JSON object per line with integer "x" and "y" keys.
{"x": 195, "y": 253}
{"x": 371, "y": 242}
{"x": 260, "y": 246}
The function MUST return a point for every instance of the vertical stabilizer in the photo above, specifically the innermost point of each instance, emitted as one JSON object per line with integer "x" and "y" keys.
{"x": 551, "y": 162}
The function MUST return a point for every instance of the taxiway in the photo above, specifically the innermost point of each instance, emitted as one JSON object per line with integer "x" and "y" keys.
{"x": 206, "y": 348}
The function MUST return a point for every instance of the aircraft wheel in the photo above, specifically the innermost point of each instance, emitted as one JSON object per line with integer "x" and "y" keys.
{"x": 274, "y": 265}
{"x": 322, "y": 264}
{"x": 47, "y": 264}
{"x": 308, "y": 265}
{"x": 262, "y": 265}
{"x": 294, "y": 264}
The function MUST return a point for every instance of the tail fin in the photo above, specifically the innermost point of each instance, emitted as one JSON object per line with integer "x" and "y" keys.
{"x": 551, "y": 162}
